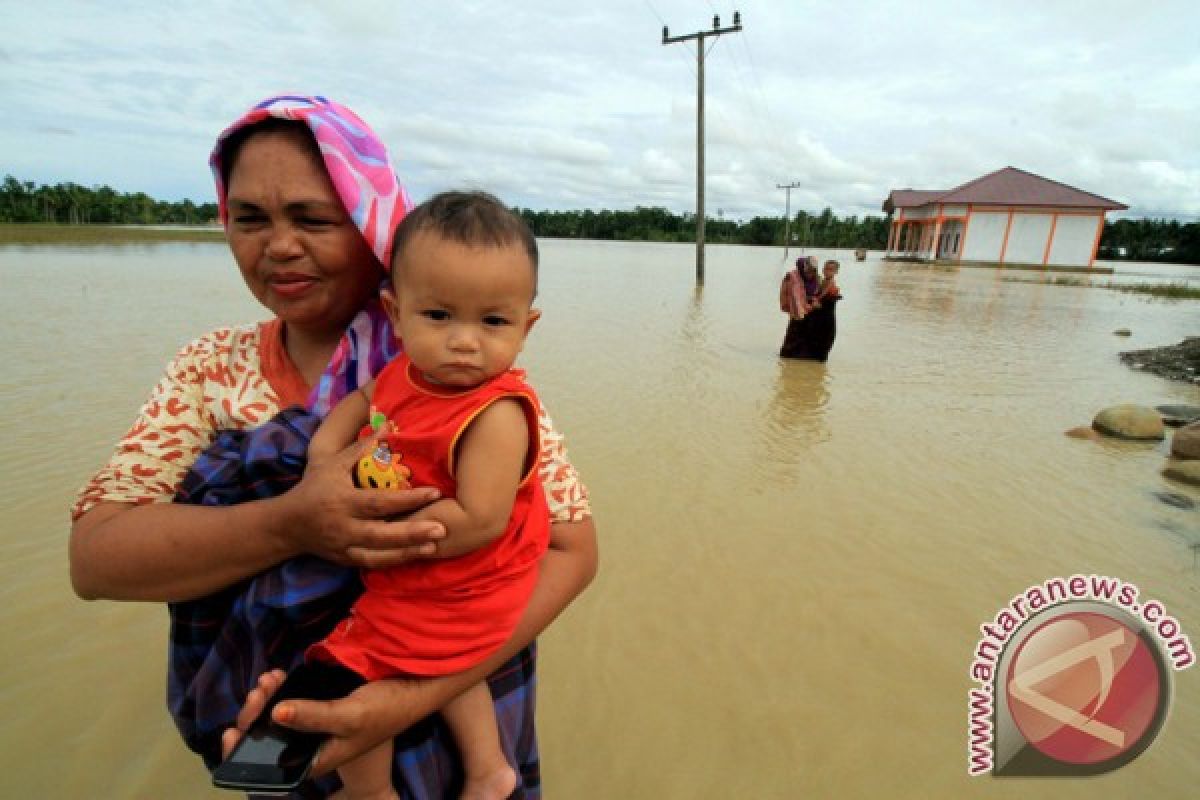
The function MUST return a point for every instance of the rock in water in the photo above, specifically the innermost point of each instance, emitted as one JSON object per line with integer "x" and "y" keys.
{"x": 1176, "y": 416}
{"x": 1185, "y": 443}
{"x": 1123, "y": 332}
{"x": 1184, "y": 471}
{"x": 1130, "y": 421}
{"x": 1180, "y": 362}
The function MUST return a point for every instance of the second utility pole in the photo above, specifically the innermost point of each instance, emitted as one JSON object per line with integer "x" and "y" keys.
{"x": 787, "y": 215}
{"x": 700, "y": 36}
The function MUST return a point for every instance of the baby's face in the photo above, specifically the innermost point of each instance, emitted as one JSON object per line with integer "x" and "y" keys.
{"x": 462, "y": 311}
{"x": 829, "y": 271}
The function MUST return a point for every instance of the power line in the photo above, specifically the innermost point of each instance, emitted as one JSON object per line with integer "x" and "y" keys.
{"x": 762, "y": 97}
{"x": 663, "y": 22}
{"x": 764, "y": 137}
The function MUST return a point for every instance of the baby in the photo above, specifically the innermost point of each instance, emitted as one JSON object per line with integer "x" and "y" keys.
{"x": 452, "y": 413}
{"x": 828, "y": 286}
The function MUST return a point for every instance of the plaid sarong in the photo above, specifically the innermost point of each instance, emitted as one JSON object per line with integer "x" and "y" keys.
{"x": 220, "y": 644}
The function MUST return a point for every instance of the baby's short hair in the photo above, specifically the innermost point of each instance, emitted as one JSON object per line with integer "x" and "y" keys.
{"x": 467, "y": 217}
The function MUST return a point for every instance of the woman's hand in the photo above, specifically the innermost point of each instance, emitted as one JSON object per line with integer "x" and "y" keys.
{"x": 331, "y": 518}
{"x": 256, "y": 701}
{"x": 382, "y": 709}
{"x": 175, "y": 551}
{"x": 355, "y": 724}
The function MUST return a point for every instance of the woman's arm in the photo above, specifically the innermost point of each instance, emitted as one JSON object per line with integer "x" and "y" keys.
{"x": 170, "y": 552}
{"x": 127, "y": 544}
{"x": 381, "y": 709}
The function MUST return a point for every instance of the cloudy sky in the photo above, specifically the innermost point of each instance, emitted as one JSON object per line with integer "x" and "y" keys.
{"x": 559, "y": 105}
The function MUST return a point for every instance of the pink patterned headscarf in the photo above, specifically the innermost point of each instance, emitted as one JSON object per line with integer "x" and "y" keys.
{"x": 363, "y": 177}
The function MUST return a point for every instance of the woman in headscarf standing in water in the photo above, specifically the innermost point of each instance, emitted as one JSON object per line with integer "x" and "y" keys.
{"x": 258, "y": 557}
{"x": 797, "y": 293}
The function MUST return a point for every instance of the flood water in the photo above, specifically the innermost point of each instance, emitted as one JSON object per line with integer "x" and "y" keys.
{"x": 796, "y": 557}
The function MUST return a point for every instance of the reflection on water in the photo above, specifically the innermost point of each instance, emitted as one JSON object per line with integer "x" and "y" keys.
{"x": 796, "y": 556}
{"x": 794, "y": 421}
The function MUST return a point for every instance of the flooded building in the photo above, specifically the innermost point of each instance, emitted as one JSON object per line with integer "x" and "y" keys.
{"x": 1005, "y": 217}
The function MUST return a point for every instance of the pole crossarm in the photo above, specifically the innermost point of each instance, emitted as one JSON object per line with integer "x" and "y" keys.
{"x": 700, "y": 36}
{"x": 735, "y": 28}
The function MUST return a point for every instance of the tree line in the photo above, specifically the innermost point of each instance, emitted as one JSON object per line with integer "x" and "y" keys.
{"x": 73, "y": 204}
{"x": 654, "y": 224}
{"x": 1151, "y": 240}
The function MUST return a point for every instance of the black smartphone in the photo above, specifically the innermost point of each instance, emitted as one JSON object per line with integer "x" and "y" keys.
{"x": 272, "y": 758}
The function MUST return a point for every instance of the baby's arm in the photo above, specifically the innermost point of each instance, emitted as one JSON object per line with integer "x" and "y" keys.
{"x": 341, "y": 426}
{"x": 488, "y": 469}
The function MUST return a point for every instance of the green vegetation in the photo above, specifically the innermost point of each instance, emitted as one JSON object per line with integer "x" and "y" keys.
{"x": 660, "y": 225}
{"x": 72, "y": 204}
{"x": 1151, "y": 240}
{"x": 1175, "y": 291}
{"x": 104, "y": 234}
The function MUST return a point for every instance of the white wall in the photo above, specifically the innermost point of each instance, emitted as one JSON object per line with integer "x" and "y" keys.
{"x": 1027, "y": 239}
{"x": 985, "y": 235}
{"x": 1074, "y": 237}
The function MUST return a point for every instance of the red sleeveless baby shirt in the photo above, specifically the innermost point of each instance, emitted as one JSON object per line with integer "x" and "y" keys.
{"x": 438, "y": 617}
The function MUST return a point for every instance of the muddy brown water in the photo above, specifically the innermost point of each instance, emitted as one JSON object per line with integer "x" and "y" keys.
{"x": 796, "y": 557}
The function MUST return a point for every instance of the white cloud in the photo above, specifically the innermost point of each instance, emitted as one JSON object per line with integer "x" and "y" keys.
{"x": 555, "y": 106}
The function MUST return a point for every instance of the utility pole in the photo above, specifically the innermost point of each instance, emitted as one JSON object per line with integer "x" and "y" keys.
{"x": 700, "y": 36}
{"x": 787, "y": 215}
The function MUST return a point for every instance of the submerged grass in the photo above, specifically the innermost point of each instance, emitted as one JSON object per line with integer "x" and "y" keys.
{"x": 104, "y": 234}
{"x": 1178, "y": 291}
{"x": 1175, "y": 291}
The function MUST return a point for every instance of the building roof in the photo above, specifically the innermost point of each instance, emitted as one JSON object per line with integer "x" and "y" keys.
{"x": 911, "y": 198}
{"x": 1010, "y": 187}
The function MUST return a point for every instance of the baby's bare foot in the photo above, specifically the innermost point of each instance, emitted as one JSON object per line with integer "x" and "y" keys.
{"x": 495, "y": 785}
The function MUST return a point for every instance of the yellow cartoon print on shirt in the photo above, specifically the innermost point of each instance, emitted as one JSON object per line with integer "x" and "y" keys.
{"x": 381, "y": 468}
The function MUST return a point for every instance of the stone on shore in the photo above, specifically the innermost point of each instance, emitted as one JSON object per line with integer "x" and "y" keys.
{"x": 1176, "y": 416}
{"x": 1178, "y": 362}
{"x": 1183, "y": 471}
{"x": 1082, "y": 432}
{"x": 1129, "y": 421}
{"x": 1185, "y": 443}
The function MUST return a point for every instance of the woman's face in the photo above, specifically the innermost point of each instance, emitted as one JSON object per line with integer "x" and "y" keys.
{"x": 297, "y": 248}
